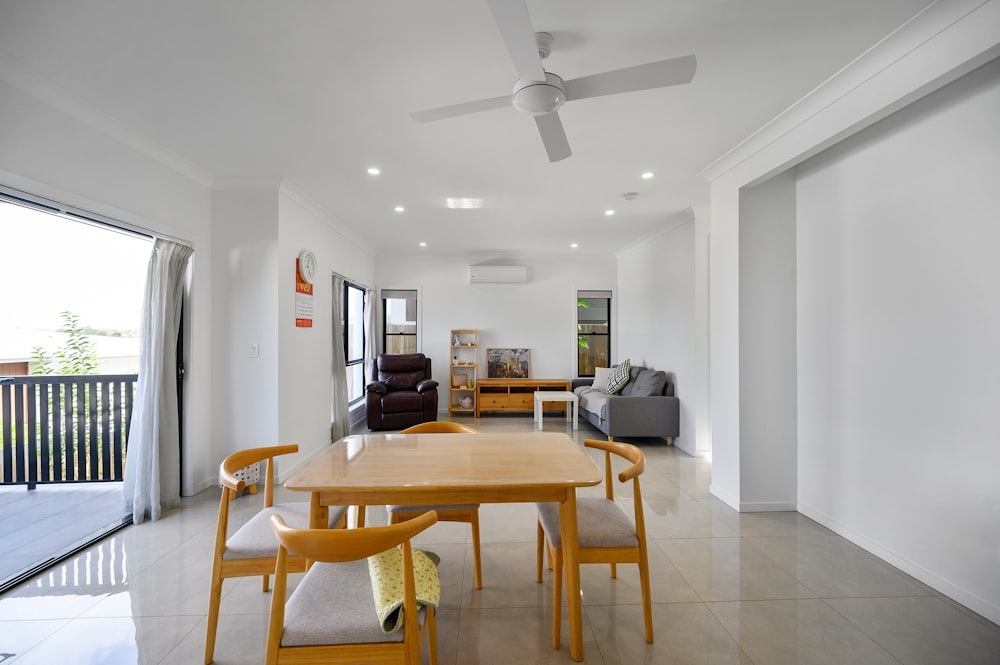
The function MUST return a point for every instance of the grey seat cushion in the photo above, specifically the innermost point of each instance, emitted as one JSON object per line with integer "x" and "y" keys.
{"x": 334, "y": 604}
{"x": 648, "y": 383}
{"x": 256, "y": 538}
{"x": 601, "y": 523}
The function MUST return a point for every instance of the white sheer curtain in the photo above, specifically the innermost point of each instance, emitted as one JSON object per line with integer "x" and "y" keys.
{"x": 152, "y": 464}
{"x": 371, "y": 341}
{"x": 340, "y": 417}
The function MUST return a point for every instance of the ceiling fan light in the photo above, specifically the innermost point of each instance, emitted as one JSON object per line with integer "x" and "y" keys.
{"x": 539, "y": 97}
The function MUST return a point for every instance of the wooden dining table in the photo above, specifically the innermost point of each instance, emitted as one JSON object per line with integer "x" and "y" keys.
{"x": 421, "y": 469}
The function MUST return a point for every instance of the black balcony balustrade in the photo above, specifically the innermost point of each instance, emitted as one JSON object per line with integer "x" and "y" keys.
{"x": 64, "y": 429}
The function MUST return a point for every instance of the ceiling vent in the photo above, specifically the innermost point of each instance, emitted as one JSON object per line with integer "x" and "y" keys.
{"x": 498, "y": 274}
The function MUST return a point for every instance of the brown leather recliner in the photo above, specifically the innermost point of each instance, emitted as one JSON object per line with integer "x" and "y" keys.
{"x": 402, "y": 392}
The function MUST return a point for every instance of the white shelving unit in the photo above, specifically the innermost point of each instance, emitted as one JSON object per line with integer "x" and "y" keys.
{"x": 462, "y": 389}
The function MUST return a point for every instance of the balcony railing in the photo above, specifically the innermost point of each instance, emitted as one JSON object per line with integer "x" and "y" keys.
{"x": 64, "y": 429}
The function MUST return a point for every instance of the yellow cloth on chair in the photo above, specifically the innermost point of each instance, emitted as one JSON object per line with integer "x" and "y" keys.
{"x": 386, "y": 570}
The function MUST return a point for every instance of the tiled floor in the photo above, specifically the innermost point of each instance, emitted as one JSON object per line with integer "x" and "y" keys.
{"x": 727, "y": 588}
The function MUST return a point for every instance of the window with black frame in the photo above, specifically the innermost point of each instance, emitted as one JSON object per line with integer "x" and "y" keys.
{"x": 593, "y": 331}
{"x": 354, "y": 341}
{"x": 399, "y": 320}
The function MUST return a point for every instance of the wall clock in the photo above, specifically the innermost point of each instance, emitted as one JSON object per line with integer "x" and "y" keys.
{"x": 307, "y": 266}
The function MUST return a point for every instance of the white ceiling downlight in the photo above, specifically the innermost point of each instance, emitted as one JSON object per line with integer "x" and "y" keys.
{"x": 463, "y": 203}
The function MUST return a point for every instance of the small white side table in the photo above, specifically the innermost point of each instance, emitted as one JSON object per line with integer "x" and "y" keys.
{"x": 572, "y": 403}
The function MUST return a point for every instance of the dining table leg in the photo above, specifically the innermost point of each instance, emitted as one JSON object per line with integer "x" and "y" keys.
{"x": 571, "y": 566}
{"x": 317, "y": 512}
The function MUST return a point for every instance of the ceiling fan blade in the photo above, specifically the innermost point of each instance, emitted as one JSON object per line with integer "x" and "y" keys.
{"x": 674, "y": 71}
{"x": 514, "y": 23}
{"x": 553, "y": 136}
{"x": 464, "y": 108}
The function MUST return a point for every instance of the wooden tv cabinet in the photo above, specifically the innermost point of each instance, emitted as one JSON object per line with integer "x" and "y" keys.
{"x": 515, "y": 395}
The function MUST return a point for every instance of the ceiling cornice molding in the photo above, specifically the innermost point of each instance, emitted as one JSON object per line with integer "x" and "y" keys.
{"x": 965, "y": 30}
{"x": 236, "y": 184}
{"x": 501, "y": 257}
{"x": 289, "y": 189}
{"x": 670, "y": 224}
{"x": 33, "y": 85}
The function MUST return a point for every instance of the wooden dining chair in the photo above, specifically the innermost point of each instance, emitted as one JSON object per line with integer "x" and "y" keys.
{"x": 606, "y": 533}
{"x": 331, "y": 617}
{"x": 466, "y": 512}
{"x": 252, "y": 549}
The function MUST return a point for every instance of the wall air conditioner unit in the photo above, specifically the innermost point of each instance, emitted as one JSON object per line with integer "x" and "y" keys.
{"x": 498, "y": 274}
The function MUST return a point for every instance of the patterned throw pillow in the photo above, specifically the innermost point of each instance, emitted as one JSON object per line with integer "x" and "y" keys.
{"x": 619, "y": 377}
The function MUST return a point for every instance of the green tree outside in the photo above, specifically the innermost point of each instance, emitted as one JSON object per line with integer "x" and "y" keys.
{"x": 77, "y": 356}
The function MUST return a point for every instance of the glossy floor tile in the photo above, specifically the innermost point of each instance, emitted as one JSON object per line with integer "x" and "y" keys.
{"x": 728, "y": 588}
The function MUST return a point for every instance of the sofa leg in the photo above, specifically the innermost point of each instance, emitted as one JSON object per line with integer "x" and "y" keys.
{"x": 670, "y": 440}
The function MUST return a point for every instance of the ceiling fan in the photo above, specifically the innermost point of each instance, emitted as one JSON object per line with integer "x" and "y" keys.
{"x": 542, "y": 93}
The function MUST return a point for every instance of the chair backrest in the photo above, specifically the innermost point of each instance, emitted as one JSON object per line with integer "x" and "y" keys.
{"x": 339, "y": 545}
{"x": 412, "y": 367}
{"x": 244, "y": 458}
{"x": 439, "y": 427}
{"x": 631, "y": 454}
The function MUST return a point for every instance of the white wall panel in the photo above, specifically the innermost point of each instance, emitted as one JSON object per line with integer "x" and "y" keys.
{"x": 899, "y": 320}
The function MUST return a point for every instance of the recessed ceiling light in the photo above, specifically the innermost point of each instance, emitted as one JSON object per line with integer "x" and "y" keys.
{"x": 574, "y": 245}
{"x": 609, "y": 212}
{"x": 399, "y": 209}
{"x": 463, "y": 203}
{"x": 373, "y": 171}
{"x": 423, "y": 244}
{"x": 647, "y": 175}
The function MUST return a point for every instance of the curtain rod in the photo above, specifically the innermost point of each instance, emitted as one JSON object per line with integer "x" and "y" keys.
{"x": 52, "y": 207}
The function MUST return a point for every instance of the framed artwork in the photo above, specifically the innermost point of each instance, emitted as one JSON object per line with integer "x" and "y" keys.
{"x": 507, "y": 363}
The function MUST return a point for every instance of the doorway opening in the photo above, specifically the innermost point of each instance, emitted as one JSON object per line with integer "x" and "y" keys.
{"x": 69, "y": 357}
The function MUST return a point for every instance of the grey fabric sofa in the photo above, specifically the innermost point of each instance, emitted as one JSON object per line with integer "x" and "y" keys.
{"x": 646, "y": 406}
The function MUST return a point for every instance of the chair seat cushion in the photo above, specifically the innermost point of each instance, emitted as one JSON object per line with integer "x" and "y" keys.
{"x": 424, "y": 509}
{"x": 256, "y": 539}
{"x": 334, "y": 604}
{"x": 601, "y": 523}
{"x": 402, "y": 401}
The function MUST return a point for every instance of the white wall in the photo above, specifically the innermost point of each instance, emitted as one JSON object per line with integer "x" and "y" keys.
{"x": 937, "y": 47}
{"x": 899, "y": 315}
{"x": 539, "y": 315}
{"x": 656, "y": 317}
{"x": 245, "y": 275}
{"x": 304, "y": 372}
{"x": 767, "y": 345}
{"x": 51, "y": 149}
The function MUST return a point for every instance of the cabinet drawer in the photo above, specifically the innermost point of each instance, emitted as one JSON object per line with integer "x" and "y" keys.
{"x": 493, "y": 401}
{"x": 522, "y": 401}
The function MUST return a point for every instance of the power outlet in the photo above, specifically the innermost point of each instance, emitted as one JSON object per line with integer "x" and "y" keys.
{"x": 255, "y": 350}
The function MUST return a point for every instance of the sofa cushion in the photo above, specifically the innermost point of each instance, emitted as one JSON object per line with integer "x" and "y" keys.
{"x": 601, "y": 377}
{"x": 593, "y": 400}
{"x": 632, "y": 374}
{"x": 619, "y": 377}
{"x": 649, "y": 382}
{"x": 402, "y": 381}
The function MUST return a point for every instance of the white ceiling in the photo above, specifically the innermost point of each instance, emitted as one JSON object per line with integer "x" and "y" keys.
{"x": 317, "y": 91}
